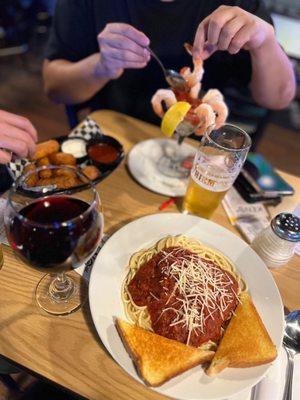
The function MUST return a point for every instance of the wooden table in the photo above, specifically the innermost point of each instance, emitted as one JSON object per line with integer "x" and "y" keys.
{"x": 67, "y": 350}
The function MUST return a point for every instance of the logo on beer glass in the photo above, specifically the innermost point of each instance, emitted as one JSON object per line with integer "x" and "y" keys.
{"x": 216, "y": 175}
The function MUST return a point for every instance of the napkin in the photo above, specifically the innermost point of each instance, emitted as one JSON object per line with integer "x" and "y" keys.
{"x": 271, "y": 387}
{"x": 248, "y": 218}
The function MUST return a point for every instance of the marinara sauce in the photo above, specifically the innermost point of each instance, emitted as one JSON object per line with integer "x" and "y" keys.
{"x": 153, "y": 288}
{"x": 190, "y": 116}
{"x": 103, "y": 153}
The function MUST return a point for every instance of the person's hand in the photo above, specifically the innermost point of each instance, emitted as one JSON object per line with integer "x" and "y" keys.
{"x": 17, "y": 135}
{"x": 230, "y": 29}
{"x": 122, "y": 46}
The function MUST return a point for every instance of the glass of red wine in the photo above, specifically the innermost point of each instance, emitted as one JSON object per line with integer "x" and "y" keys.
{"x": 54, "y": 232}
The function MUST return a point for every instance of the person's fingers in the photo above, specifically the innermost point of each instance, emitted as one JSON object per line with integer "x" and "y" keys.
{"x": 8, "y": 140}
{"x": 5, "y": 157}
{"x": 200, "y": 39}
{"x": 28, "y": 127}
{"x": 239, "y": 40}
{"x": 118, "y": 64}
{"x": 208, "y": 50}
{"x": 121, "y": 42}
{"x": 217, "y": 21}
{"x": 130, "y": 32}
{"x": 18, "y": 147}
{"x": 123, "y": 54}
{"x": 209, "y": 30}
{"x": 18, "y": 134}
{"x": 228, "y": 32}
{"x": 19, "y": 122}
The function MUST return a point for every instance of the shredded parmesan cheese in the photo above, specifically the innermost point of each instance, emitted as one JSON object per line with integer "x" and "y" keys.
{"x": 199, "y": 286}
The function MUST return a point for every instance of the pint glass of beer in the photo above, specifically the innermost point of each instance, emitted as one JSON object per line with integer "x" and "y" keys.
{"x": 217, "y": 163}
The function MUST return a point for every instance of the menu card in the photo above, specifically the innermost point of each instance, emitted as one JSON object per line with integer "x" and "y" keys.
{"x": 248, "y": 218}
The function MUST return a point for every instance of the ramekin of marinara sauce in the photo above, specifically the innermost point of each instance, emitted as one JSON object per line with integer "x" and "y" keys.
{"x": 105, "y": 152}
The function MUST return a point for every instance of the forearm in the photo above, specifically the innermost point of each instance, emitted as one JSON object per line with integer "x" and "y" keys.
{"x": 74, "y": 82}
{"x": 273, "y": 81}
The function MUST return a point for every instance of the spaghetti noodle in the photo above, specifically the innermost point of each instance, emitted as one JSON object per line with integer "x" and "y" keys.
{"x": 181, "y": 289}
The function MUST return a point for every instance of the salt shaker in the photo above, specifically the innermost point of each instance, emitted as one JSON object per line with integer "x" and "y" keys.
{"x": 276, "y": 243}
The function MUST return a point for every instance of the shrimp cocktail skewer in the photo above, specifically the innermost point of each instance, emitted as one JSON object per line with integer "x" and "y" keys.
{"x": 199, "y": 114}
{"x": 183, "y": 112}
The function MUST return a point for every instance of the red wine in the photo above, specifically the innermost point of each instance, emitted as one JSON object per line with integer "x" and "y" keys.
{"x": 52, "y": 235}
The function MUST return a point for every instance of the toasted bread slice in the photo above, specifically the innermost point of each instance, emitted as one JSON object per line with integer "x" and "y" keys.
{"x": 246, "y": 342}
{"x": 157, "y": 358}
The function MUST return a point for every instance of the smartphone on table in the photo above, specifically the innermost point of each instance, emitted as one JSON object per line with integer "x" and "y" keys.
{"x": 258, "y": 181}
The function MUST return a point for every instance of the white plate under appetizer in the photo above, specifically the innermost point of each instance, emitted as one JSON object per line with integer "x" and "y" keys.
{"x": 105, "y": 298}
{"x": 143, "y": 161}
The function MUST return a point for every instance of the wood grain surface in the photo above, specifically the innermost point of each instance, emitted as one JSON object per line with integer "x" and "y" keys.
{"x": 67, "y": 350}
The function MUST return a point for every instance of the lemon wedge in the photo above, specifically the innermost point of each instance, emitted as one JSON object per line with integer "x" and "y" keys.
{"x": 173, "y": 117}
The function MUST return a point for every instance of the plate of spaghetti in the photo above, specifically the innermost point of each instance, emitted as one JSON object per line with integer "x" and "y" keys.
{"x": 181, "y": 277}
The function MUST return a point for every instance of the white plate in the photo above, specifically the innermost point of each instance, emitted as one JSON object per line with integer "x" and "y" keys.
{"x": 105, "y": 297}
{"x": 142, "y": 162}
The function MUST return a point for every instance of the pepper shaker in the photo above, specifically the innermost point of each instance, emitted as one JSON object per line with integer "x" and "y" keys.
{"x": 276, "y": 243}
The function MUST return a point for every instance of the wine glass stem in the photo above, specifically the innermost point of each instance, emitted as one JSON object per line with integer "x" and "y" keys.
{"x": 61, "y": 281}
{"x": 61, "y": 288}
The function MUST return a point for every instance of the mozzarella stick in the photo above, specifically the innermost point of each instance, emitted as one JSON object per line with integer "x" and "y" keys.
{"x": 44, "y": 162}
{"x": 32, "y": 179}
{"x": 62, "y": 159}
{"x": 45, "y": 148}
{"x": 91, "y": 172}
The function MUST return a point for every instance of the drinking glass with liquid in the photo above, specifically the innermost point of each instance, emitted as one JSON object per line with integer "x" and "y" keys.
{"x": 217, "y": 163}
{"x": 55, "y": 232}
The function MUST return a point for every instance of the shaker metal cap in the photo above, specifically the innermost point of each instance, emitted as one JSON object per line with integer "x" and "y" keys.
{"x": 287, "y": 226}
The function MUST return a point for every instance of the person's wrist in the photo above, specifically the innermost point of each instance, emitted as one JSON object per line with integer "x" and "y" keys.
{"x": 101, "y": 70}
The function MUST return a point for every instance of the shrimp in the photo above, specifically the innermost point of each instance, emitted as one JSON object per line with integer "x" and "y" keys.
{"x": 216, "y": 100}
{"x": 159, "y": 96}
{"x": 206, "y": 116}
{"x": 221, "y": 112}
{"x": 192, "y": 78}
{"x": 194, "y": 92}
{"x": 212, "y": 95}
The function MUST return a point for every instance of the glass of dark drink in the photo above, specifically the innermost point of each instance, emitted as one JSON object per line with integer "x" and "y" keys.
{"x": 55, "y": 233}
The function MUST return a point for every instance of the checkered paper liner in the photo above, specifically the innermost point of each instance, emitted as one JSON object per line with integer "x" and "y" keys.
{"x": 89, "y": 129}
